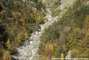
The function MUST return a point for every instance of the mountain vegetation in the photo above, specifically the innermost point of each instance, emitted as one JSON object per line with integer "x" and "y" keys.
{"x": 18, "y": 19}
{"x": 71, "y": 32}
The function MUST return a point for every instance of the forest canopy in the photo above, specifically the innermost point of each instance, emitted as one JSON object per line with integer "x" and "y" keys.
{"x": 18, "y": 19}
{"x": 70, "y": 33}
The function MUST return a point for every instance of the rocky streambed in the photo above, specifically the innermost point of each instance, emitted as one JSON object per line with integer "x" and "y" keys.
{"x": 30, "y": 47}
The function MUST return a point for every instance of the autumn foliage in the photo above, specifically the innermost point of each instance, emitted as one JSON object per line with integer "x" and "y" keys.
{"x": 71, "y": 33}
{"x": 18, "y": 19}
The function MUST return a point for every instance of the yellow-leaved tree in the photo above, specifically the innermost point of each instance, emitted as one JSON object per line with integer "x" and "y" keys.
{"x": 62, "y": 56}
{"x": 8, "y": 43}
{"x": 6, "y": 56}
{"x": 87, "y": 19}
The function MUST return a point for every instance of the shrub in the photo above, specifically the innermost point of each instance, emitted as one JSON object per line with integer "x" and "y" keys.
{"x": 6, "y": 56}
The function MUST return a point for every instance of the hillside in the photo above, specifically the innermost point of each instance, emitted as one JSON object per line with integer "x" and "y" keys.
{"x": 44, "y": 29}
{"x": 18, "y": 19}
{"x": 69, "y": 33}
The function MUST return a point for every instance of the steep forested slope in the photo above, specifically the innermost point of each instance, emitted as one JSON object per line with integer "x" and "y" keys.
{"x": 18, "y": 19}
{"x": 70, "y": 33}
